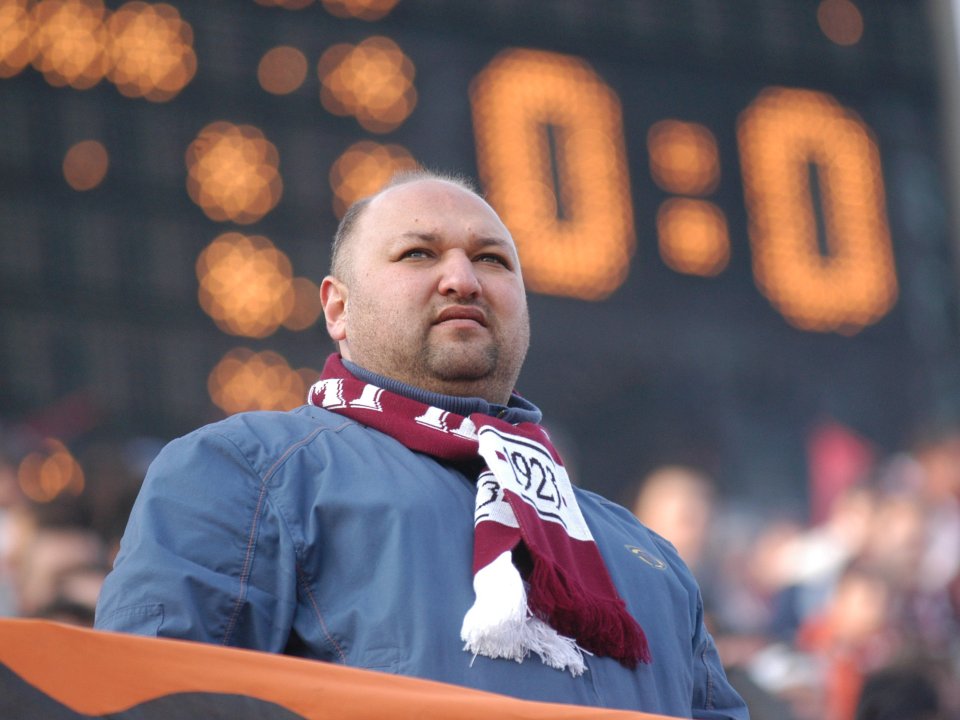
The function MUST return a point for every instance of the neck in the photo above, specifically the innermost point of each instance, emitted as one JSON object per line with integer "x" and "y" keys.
{"x": 515, "y": 410}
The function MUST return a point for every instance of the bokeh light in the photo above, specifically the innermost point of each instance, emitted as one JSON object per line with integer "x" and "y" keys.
{"x": 840, "y": 21}
{"x": 85, "y": 165}
{"x": 16, "y": 29}
{"x": 145, "y": 49}
{"x": 282, "y": 70}
{"x": 683, "y": 157}
{"x": 233, "y": 173}
{"x": 551, "y": 155}
{"x": 70, "y": 42}
{"x": 151, "y": 51}
{"x": 245, "y": 284}
{"x": 363, "y": 169}
{"x": 785, "y": 137}
{"x": 361, "y": 9}
{"x": 372, "y": 81}
{"x": 245, "y": 380}
{"x": 306, "y": 305}
{"x": 693, "y": 236}
{"x": 49, "y": 472}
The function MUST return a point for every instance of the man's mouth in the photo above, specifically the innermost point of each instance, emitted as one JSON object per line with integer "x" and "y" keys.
{"x": 462, "y": 313}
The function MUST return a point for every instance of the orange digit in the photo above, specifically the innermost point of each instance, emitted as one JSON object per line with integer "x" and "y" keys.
{"x": 784, "y": 136}
{"x": 567, "y": 202}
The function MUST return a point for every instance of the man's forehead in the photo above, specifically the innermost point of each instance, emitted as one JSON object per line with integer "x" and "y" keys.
{"x": 427, "y": 189}
{"x": 428, "y": 199}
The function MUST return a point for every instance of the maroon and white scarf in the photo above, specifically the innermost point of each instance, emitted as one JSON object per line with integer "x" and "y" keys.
{"x": 567, "y": 604}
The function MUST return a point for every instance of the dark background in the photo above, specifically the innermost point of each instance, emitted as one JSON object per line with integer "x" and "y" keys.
{"x": 101, "y": 334}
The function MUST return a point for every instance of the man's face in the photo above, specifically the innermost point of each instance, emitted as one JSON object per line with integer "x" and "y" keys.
{"x": 432, "y": 294}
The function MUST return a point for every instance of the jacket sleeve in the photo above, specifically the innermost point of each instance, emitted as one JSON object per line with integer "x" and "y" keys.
{"x": 205, "y": 555}
{"x": 714, "y": 698}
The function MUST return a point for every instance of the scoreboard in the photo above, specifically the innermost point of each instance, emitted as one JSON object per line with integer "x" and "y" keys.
{"x": 732, "y": 215}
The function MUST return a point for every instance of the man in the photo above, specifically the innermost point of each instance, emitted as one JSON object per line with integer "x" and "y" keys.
{"x": 414, "y": 518}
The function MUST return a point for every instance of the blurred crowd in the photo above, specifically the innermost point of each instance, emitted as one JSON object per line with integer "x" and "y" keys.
{"x": 850, "y": 613}
{"x": 57, "y": 540}
{"x": 849, "y": 610}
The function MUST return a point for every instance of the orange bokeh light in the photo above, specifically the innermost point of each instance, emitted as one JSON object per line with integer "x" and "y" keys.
{"x": 244, "y": 380}
{"x": 282, "y": 70}
{"x": 151, "y": 50}
{"x": 683, "y": 157}
{"x": 363, "y": 169}
{"x": 372, "y": 81}
{"x": 693, "y": 236}
{"x": 306, "y": 305}
{"x": 85, "y": 165}
{"x": 145, "y": 49}
{"x": 840, "y": 21}
{"x": 16, "y": 30}
{"x": 550, "y": 151}
{"x": 784, "y": 136}
{"x": 48, "y": 473}
{"x": 246, "y": 284}
{"x": 233, "y": 173}
{"x": 70, "y": 42}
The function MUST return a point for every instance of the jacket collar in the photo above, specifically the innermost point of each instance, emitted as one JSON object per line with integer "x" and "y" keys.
{"x": 517, "y": 410}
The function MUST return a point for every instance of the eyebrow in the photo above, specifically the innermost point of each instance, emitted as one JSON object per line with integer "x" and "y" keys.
{"x": 482, "y": 241}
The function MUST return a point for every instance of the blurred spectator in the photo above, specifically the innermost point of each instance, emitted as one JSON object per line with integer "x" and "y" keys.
{"x": 49, "y": 558}
{"x": 677, "y": 503}
{"x": 900, "y": 692}
{"x": 810, "y": 564}
{"x": 14, "y": 522}
{"x": 74, "y": 596}
{"x": 938, "y": 581}
{"x": 838, "y": 458}
{"x": 851, "y": 636}
{"x": 752, "y": 593}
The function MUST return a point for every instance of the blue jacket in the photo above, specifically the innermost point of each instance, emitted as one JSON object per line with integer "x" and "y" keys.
{"x": 308, "y": 533}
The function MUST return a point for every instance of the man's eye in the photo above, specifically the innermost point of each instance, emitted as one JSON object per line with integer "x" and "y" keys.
{"x": 496, "y": 259}
{"x": 415, "y": 254}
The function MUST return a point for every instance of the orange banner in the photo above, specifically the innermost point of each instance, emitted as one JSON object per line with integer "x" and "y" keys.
{"x": 48, "y": 670}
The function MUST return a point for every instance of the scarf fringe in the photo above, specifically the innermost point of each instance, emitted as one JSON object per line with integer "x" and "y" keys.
{"x": 499, "y": 625}
{"x": 601, "y": 625}
{"x": 556, "y": 650}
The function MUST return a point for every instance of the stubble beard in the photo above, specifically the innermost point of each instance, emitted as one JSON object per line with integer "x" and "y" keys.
{"x": 454, "y": 366}
{"x": 457, "y": 365}
{"x": 461, "y": 366}
{"x": 462, "y": 362}
{"x": 488, "y": 370}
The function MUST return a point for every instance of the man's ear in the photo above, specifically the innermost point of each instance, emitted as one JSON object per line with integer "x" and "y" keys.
{"x": 333, "y": 298}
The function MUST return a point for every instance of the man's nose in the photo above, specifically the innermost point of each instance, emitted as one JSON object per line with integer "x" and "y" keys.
{"x": 459, "y": 276}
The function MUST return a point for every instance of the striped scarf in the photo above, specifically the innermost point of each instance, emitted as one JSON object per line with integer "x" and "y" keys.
{"x": 526, "y": 513}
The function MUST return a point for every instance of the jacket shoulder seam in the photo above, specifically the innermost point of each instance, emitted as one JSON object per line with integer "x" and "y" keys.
{"x": 246, "y": 568}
